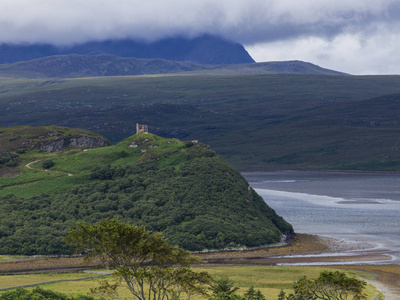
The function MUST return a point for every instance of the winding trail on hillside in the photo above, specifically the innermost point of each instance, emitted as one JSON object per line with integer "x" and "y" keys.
{"x": 29, "y": 166}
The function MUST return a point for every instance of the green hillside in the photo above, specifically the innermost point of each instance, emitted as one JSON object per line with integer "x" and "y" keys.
{"x": 256, "y": 122}
{"x": 183, "y": 189}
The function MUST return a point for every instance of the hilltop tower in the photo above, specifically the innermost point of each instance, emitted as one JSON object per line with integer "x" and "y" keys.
{"x": 141, "y": 128}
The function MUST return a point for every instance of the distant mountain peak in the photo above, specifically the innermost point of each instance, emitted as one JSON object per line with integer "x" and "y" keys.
{"x": 205, "y": 49}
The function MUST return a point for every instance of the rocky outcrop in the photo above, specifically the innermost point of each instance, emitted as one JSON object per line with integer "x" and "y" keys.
{"x": 80, "y": 142}
{"x": 54, "y": 146}
{"x": 84, "y": 141}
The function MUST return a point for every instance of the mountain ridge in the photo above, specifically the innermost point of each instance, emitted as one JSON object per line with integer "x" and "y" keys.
{"x": 204, "y": 49}
{"x": 75, "y": 66}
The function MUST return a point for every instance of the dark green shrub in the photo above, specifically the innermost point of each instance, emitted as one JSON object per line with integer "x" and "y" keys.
{"x": 47, "y": 164}
{"x": 12, "y": 163}
{"x": 21, "y": 151}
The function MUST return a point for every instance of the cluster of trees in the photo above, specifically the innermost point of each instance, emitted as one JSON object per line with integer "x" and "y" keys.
{"x": 329, "y": 285}
{"x": 145, "y": 264}
{"x": 9, "y": 159}
{"x": 202, "y": 204}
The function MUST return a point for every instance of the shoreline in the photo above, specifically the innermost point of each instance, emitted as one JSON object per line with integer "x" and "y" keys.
{"x": 304, "y": 249}
{"x": 321, "y": 171}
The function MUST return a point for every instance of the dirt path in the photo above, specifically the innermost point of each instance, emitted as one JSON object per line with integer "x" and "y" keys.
{"x": 29, "y": 166}
{"x": 387, "y": 291}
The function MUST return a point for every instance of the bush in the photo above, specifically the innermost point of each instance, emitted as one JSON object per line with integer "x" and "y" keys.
{"x": 47, "y": 164}
{"x": 21, "y": 151}
{"x": 12, "y": 163}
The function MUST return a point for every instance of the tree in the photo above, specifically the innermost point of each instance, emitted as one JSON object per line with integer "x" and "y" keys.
{"x": 328, "y": 285}
{"x": 143, "y": 260}
{"x": 224, "y": 289}
{"x": 252, "y": 294}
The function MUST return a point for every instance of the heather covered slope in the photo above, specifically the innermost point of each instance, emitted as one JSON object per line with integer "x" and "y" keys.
{"x": 256, "y": 122}
{"x": 183, "y": 189}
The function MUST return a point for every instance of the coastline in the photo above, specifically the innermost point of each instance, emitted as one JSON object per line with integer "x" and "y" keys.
{"x": 303, "y": 249}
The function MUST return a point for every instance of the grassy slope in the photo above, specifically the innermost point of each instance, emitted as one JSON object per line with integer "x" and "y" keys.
{"x": 290, "y": 121}
{"x": 35, "y": 180}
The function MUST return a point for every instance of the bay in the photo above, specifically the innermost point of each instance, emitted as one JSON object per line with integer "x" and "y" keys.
{"x": 359, "y": 208}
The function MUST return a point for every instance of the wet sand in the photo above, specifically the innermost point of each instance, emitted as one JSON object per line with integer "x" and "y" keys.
{"x": 303, "y": 249}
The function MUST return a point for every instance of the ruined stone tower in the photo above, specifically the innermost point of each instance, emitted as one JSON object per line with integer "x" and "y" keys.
{"x": 141, "y": 128}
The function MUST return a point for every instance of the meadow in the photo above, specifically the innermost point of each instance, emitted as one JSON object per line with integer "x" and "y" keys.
{"x": 270, "y": 280}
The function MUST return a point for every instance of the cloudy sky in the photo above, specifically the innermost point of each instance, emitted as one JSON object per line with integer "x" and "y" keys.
{"x": 354, "y": 36}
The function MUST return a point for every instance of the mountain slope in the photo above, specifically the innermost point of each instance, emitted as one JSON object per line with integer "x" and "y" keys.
{"x": 203, "y": 50}
{"x": 256, "y": 122}
{"x": 182, "y": 189}
{"x": 70, "y": 66}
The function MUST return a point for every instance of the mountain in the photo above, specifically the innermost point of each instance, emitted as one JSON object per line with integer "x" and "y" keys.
{"x": 202, "y": 50}
{"x": 74, "y": 66}
{"x": 183, "y": 189}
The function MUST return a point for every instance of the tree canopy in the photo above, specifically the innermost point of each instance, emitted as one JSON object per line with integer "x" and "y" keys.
{"x": 329, "y": 285}
{"x": 142, "y": 260}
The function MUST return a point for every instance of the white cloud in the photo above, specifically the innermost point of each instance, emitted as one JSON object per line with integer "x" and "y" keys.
{"x": 350, "y": 53}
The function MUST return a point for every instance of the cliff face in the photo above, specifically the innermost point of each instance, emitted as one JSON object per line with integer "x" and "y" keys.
{"x": 23, "y": 139}
{"x": 80, "y": 142}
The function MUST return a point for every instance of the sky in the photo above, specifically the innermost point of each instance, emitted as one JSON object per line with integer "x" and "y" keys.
{"x": 360, "y": 37}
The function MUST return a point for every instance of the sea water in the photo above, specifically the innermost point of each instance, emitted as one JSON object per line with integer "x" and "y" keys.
{"x": 363, "y": 208}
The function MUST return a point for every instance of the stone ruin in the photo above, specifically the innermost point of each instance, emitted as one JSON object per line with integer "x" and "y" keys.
{"x": 141, "y": 128}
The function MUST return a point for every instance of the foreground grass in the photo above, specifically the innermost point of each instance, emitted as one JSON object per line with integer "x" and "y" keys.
{"x": 269, "y": 280}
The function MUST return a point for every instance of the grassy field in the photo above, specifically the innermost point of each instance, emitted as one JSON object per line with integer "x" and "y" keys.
{"x": 256, "y": 122}
{"x": 270, "y": 280}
